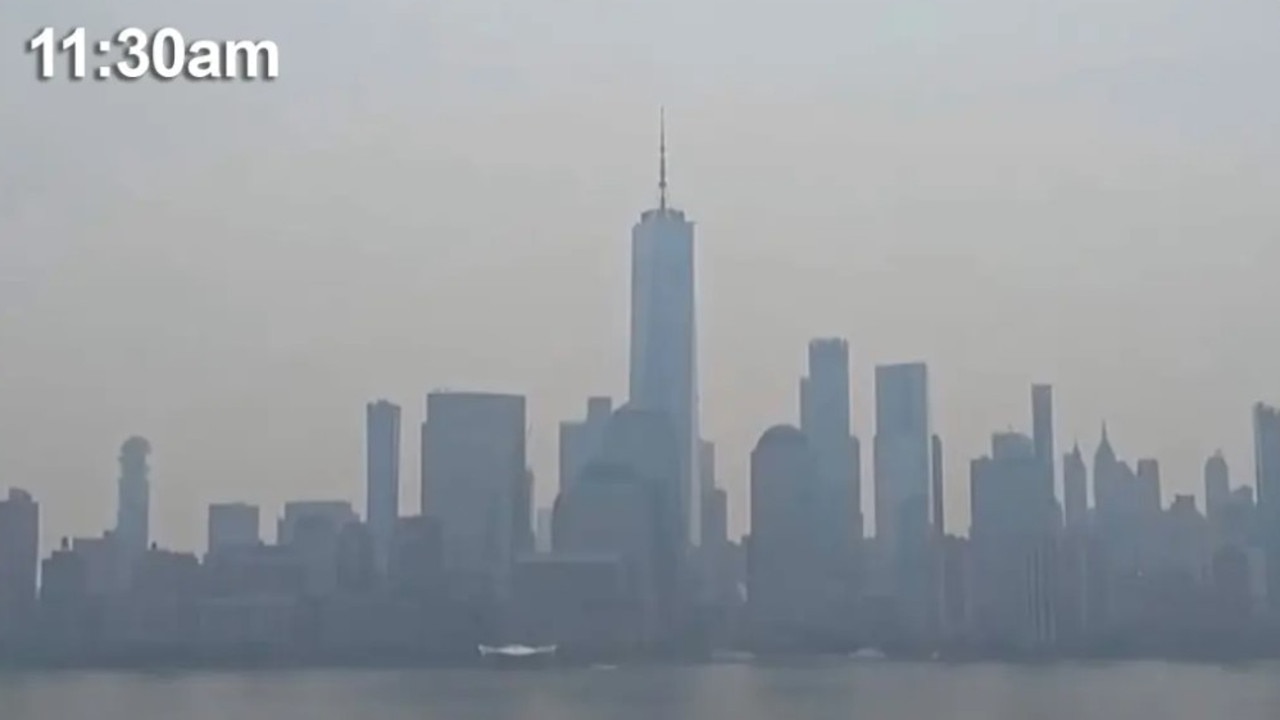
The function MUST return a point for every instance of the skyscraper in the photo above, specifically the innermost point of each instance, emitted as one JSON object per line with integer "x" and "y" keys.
{"x": 642, "y": 442}
{"x": 901, "y": 455}
{"x": 706, "y": 489}
{"x": 825, "y": 421}
{"x": 1011, "y": 544}
{"x": 133, "y": 507}
{"x": 1148, "y": 473}
{"x": 1106, "y": 471}
{"x": 937, "y": 498}
{"x": 1075, "y": 489}
{"x": 473, "y": 473}
{"x": 663, "y": 374}
{"x": 782, "y": 580}
{"x": 580, "y": 439}
{"x": 233, "y": 525}
{"x": 1042, "y": 433}
{"x": 1217, "y": 486}
{"x": 19, "y": 559}
{"x": 1266, "y": 449}
{"x": 382, "y": 478}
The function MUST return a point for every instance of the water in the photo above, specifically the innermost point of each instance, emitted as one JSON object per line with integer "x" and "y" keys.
{"x": 860, "y": 691}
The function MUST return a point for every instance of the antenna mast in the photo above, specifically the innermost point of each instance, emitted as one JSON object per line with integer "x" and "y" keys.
{"x": 662, "y": 159}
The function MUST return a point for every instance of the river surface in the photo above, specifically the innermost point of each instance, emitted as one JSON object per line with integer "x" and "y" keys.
{"x": 852, "y": 689}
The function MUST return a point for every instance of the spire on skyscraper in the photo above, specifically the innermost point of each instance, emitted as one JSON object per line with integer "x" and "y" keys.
{"x": 662, "y": 158}
{"x": 1104, "y": 451}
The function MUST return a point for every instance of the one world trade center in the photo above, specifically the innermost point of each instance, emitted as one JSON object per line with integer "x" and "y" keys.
{"x": 664, "y": 373}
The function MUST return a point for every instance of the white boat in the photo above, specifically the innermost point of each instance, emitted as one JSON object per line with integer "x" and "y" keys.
{"x": 867, "y": 654}
{"x": 517, "y": 655}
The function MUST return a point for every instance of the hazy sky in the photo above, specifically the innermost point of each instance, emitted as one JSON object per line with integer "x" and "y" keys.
{"x": 439, "y": 194}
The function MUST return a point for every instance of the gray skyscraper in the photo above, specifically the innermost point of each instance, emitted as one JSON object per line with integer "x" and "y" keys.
{"x": 1012, "y": 545}
{"x": 19, "y": 558}
{"x": 473, "y": 474}
{"x": 1149, "y": 496}
{"x": 901, "y": 455}
{"x": 233, "y": 525}
{"x": 133, "y": 508}
{"x": 783, "y": 582}
{"x": 1075, "y": 489}
{"x": 902, "y": 460}
{"x": 825, "y": 421}
{"x": 580, "y": 439}
{"x": 938, "y": 513}
{"x": 664, "y": 375}
{"x": 1217, "y": 485}
{"x": 1266, "y": 449}
{"x": 1042, "y": 434}
{"x": 382, "y": 478}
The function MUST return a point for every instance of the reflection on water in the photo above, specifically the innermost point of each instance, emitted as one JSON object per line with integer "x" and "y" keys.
{"x": 850, "y": 689}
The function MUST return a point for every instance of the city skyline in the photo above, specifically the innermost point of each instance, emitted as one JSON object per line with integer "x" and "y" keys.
{"x": 1218, "y": 474}
{"x": 1003, "y": 221}
{"x": 862, "y": 404}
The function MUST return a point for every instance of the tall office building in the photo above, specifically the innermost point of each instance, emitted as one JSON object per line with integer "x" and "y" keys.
{"x": 580, "y": 439}
{"x": 1266, "y": 449}
{"x": 473, "y": 473}
{"x": 1106, "y": 474}
{"x": 1148, "y": 473}
{"x": 1217, "y": 486}
{"x": 1012, "y": 545}
{"x": 523, "y": 537}
{"x": 902, "y": 460}
{"x": 782, "y": 581}
{"x": 1075, "y": 489}
{"x": 707, "y": 488}
{"x": 937, "y": 497}
{"x": 1042, "y": 434}
{"x": 19, "y": 559}
{"x": 825, "y": 421}
{"x": 312, "y": 530}
{"x": 706, "y": 466}
{"x": 382, "y": 478}
{"x": 663, "y": 373}
{"x": 901, "y": 456}
{"x": 133, "y": 505}
{"x": 233, "y": 525}
{"x": 643, "y": 443}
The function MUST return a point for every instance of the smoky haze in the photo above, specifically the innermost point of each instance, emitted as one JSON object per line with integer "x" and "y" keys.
{"x": 439, "y": 195}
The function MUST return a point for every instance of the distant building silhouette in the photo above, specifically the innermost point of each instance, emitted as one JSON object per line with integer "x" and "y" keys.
{"x": 1266, "y": 444}
{"x": 474, "y": 474}
{"x": 19, "y": 562}
{"x": 825, "y": 422}
{"x": 580, "y": 439}
{"x": 782, "y": 580}
{"x": 311, "y": 529}
{"x": 1075, "y": 490}
{"x": 1217, "y": 486}
{"x": 643, "y": 442}
{"x": 1012, "y": 546}
{"x": 663, "y": 353}
{"x": 133, "y": 507}
{"x": 902, "y": 478}
{"x": 1042, "y": 435}
{"x": 1148, "y": 473}
{"x": 382, "y": 478}
{"x": 417, "y": 558}
{"x": 233, "y": 525}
